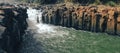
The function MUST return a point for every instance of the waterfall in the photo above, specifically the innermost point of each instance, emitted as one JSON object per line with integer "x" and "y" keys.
{"x": 41, "y": 28}
{"x": 37, "y": 32}
{"x": 35, "y": 16}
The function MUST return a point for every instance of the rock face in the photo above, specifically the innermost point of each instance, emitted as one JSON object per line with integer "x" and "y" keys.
{"x": 13, "y": 22}
{"x": 89, "y": 18}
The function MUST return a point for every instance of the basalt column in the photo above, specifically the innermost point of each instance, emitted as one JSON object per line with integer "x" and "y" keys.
{"x": 15, "y": 23}
{"x": 89, "y": 18}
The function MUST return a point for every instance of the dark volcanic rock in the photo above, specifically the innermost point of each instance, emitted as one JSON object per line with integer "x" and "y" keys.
{"x": 13, "y": 20}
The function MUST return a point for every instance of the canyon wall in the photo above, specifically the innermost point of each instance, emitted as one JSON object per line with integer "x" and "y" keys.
{"x": 12, "y": 27}
{"x": 90, "y": 18}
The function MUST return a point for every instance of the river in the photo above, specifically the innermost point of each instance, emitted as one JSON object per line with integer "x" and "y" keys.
{"x": 37, "y": 32}
{"x": 45, "y": 38}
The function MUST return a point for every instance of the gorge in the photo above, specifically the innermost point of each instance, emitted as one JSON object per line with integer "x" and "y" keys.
{"x": 39, "y": 30}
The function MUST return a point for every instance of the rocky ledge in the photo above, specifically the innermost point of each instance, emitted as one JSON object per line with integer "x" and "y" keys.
{"x": 12, "y": 27}
{"x": 90, "y": 18}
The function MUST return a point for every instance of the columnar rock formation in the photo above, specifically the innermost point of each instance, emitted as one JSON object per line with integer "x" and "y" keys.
{"x": 90, "y": 18}
{"x": 13, "y": 20}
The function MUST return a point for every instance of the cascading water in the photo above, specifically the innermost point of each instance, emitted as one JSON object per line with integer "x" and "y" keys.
{"x": 37, "y": 32}
{"x": 44, "y": 38}
{"x": 35, "y": 17}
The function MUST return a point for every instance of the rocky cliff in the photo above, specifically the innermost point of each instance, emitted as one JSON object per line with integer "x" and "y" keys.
{"x": 12, "y": 26}
{"x": 90, "y": 18}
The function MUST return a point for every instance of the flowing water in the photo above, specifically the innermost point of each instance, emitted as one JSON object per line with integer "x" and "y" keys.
{"x": 45, "y": 38}
{"x": 38, "y": 32}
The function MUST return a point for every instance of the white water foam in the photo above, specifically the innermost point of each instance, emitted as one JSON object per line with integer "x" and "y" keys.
{"x": 39, "y": 32}
{"x": 33, "y": 14}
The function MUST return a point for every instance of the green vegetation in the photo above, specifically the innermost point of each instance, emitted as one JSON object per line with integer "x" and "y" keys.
{"x": 82, "y": 42}
{"x": 111, "y": 3}
{"x": 40, "y": 1}
{"x": 108, "y": 2}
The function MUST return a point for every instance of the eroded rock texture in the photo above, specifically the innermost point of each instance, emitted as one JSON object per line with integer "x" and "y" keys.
{"x": 13, "y": 25}
{"x": 90, "y": 18}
